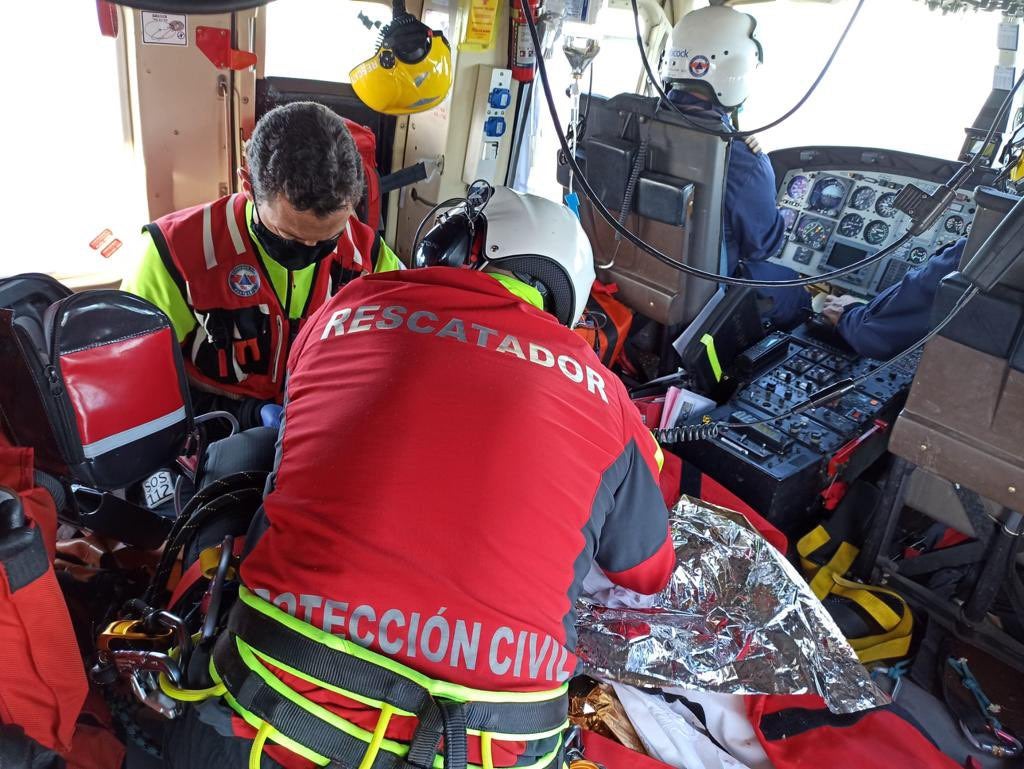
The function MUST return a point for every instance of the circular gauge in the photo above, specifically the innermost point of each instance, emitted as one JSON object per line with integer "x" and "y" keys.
{"x": 863, "y": 198}
{"x": 918, "y": 255}
{"x": 797, "y": 187}
{"x": 884, "y": 206}
{"x": 813, "y": 233}
{"x": 828, "y": 194}
{"x": 850, "y": 225}
{"x": 788, "y": 216}
{"x": 876, "y": 232}
{"x": 955, "y": 224}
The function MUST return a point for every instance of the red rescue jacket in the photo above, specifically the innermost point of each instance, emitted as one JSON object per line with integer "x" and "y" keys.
{"x": 507, "y": 459}
{"x": 243, "y": 334}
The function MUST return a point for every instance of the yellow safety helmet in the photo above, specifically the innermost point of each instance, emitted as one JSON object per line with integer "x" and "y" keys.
{"x": 410, "y": 72}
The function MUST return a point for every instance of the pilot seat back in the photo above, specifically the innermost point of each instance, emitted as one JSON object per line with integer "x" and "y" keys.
{"x": 642, "y": 158}
{"x": 964, "y": 414}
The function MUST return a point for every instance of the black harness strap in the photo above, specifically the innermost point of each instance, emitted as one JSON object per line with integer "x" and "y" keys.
{"x": 288, "y": 718}
{"x": 345, "y": 671}
{"x": 338, "y": 669}
{"x": 455, "y": 748}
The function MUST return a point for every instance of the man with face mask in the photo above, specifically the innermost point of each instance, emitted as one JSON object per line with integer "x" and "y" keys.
{"x": 238, "y": 276}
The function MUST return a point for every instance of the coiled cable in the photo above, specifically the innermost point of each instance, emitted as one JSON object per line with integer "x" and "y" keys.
{"x": 685, "y": 433}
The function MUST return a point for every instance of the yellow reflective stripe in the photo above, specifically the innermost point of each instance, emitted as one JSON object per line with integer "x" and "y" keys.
{"x": 385, "y": 259}
{"x": 528, "y": 294}
{"x": 257, "y": 745}
{"x": 437, "y": 688}
{"x": 378, "y": 737}
{"x": 152, "y": 282}
{"x": 659, "y": 455}
{"x": 709, "y": 344}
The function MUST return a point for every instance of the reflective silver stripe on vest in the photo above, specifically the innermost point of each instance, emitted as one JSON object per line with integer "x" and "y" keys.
{"x": 357, "y": 257}
{"x": 236, "y": 236}
{"x": 117, "y": 440}
{"x": 208, "y": 252}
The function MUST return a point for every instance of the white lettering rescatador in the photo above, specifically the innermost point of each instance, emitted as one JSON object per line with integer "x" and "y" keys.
{"x": 374, "y": 317}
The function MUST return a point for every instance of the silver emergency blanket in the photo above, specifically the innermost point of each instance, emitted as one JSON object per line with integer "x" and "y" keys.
{"x": 736, "y": 618}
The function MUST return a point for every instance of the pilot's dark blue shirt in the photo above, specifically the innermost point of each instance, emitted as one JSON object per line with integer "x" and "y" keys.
{"x": 754, "y": 230}
{"x": 901, "y": 314}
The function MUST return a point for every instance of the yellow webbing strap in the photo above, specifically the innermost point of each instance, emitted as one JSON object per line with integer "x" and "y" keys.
{"x": 897, "y": 629}
{"x": 257, "y": 745}
{"x": 190, "y": 695}
{"x": 837, "y": 565}
{"x": 486, "y": 751}
{"x": 828, "y": 579}
{"x": 209, "y": 561}
{"x": 378, "y": 736}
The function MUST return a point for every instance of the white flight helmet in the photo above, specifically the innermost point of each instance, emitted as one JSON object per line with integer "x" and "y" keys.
{"x": 537, "y": 240}
{"x": 715, "y": 49}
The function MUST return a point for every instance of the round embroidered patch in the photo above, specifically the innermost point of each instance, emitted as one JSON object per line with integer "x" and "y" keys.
{"x": 244, "y": 280}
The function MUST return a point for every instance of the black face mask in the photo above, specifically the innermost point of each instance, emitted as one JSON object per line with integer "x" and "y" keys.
{"x": 291, "y": 254}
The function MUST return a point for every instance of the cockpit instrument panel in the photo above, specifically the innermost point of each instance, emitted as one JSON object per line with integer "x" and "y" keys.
{"x": 836, "y": 217}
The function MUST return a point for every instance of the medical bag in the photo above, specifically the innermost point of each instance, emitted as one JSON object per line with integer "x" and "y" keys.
{"x": 605, "y": 323}
{"x": 96, "y": 385}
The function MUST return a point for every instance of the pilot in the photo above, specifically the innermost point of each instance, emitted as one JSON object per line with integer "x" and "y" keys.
{"x": 451, "y": 570}
{"x": 707, "y": 70}
{"x": 898, "y": 316}
{"x": 238, "y": 276}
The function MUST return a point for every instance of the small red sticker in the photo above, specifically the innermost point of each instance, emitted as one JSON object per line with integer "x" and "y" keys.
{"x": 100, "y": 239}
{"x": 112, "y": 246}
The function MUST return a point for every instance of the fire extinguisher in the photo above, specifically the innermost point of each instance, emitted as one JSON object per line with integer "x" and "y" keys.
{"x": 521, "y": 53}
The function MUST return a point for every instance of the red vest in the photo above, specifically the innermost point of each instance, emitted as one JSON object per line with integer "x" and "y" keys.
{"x": 243, "y": 334}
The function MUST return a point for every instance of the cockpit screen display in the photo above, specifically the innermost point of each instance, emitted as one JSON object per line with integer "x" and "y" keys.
{"x": 843, "y": 255}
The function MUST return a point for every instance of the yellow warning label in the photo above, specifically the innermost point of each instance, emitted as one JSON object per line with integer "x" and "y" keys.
{"x": 481, "y": 25}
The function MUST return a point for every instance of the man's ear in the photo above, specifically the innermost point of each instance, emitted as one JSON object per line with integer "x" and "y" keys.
{"x": 245, "y": 182}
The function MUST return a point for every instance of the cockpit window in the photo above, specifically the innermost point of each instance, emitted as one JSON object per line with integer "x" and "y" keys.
{"x": 321, "y": 39}
{"x": 907, "y": 78}
{"x": 75, "y": 195}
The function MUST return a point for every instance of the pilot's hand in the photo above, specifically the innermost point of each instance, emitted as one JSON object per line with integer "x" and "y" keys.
{"x": 835, "y": 306}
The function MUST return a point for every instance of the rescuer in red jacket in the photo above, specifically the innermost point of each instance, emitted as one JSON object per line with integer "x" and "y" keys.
{"x": 453, "y": 460}
{"x": 238, "y": 276}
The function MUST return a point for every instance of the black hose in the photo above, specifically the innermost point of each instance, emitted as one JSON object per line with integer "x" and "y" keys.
{"x": 637, "y": 241}
{"x": 740, "y": 134}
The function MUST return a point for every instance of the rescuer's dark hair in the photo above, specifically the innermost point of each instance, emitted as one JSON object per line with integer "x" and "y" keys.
{"x": 304, "y": 152}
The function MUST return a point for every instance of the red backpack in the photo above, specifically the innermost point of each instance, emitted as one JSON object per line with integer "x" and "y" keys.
{"x": 366, "y": 143}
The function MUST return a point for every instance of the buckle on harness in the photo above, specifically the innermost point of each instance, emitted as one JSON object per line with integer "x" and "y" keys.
{"x": 137, "y": 650}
